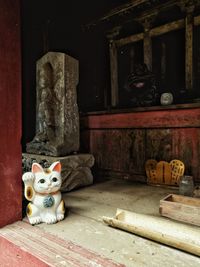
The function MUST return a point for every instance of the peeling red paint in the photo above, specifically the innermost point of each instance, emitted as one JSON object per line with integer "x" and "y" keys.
{"x": 10, "y": 110}
{"x": 123, "y": 142}
{"x": 146, "y": 119}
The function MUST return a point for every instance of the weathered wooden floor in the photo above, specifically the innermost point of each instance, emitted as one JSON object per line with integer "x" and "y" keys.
{"x": 82, "y": 239}
{"x": 25, "y": 245}
{"x": 83, "y": 224}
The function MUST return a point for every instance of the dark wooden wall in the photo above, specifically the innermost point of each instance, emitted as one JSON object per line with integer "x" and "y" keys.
{"x": 10, "y": 110}
{"x": 122, "y": 142}
{"x": 52, "y": 26}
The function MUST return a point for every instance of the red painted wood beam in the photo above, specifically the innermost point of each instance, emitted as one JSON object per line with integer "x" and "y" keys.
{"x": 151, "y": 119}
{"x": 10, "y": 112}
{"x": 12, "y": 255}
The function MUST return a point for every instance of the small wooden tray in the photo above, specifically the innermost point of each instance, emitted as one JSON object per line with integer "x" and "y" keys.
{"x": 181, "y": 208}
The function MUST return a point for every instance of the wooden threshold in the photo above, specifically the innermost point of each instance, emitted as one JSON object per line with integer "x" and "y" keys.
{"x": 23, "y": 245}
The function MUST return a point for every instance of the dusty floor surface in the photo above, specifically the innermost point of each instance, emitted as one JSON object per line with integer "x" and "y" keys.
{"x": 83, "y": 224}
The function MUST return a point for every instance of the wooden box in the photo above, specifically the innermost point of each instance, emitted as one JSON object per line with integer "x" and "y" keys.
{"x": 181, "y": 208}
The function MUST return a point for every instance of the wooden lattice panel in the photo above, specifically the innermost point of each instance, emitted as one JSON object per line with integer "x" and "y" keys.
{"x": 163, "y": 172}
{"x": 178, "y": 169}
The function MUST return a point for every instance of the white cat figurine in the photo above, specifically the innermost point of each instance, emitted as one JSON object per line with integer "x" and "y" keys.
{"x": 42, "y": 189}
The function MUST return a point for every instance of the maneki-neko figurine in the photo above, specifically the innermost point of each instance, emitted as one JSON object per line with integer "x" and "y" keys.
{"x": 42, "y": 189}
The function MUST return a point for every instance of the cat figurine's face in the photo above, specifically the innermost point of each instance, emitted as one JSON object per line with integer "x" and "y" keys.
{"x": 47, "y": 180}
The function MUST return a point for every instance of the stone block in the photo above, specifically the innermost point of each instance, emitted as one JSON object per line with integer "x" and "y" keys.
{"x": 57, "y": 117}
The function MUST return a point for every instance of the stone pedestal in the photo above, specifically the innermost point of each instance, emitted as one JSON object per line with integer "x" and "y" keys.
{"x": 76, "y": 170}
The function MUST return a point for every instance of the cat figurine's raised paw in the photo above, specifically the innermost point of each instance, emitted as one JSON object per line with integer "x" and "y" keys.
{"x": 42, "y": 189}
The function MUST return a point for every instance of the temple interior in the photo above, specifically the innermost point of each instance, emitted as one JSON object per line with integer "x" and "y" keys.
{"x": 110, "y": 90}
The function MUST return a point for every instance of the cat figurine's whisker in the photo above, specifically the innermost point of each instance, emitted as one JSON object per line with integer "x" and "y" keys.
{"x": 42, "y": 189}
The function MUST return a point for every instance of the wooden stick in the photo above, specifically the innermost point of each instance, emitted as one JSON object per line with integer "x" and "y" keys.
{"x": 180, "y": 236}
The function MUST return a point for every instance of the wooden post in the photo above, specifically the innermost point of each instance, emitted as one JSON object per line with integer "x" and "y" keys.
{"x": 114, "y": 74}
{"x": 147, "y": 43}
{"x": 10, "y": 110}
{"x": 113, "y": 66}
{"x": 189, "y": 47}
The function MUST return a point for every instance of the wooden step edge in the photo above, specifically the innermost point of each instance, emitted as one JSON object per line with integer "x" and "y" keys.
{"x": 22, "y": 243}
{"x": 12, "y": 255}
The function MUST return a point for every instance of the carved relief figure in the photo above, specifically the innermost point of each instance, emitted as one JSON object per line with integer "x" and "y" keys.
{"x": 57, "y": 117}
{"x": 42, "y": 188}
{"x": 46, "y": 118}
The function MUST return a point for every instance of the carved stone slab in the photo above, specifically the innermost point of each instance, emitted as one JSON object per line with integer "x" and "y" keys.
{"x": 57, "y": 117}
{"x": 76, "y": 169}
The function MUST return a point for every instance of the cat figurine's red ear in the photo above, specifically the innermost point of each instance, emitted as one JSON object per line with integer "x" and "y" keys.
{"x": 56, "y": 166}
{"x": 36, "y": 168}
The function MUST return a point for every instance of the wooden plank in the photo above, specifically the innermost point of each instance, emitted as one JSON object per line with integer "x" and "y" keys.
{"x": 26, "y": 244}
{"x": 130, "y": 39}
{"x": 127, "y": 147}
{"x": 141, "y": 109}
{"x": 172, "y": 26}
{"x": 137, "y": 142}
{"x": 159, "y": 144}
{"x": 175, "y": 143}
{"x": 11, "y": 255}
{"x": 151, "y": 119}
{"x": 171, "y": 233}
{"x": 189, "y": 201}
{"x": 181, "y": 208}
{"x": 114, "y": 150}
{"x": 186, "y": 147}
